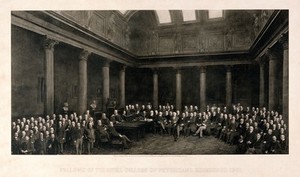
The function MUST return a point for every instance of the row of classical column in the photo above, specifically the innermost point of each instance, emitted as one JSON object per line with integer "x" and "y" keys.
{"x": 202, "y": 72}
{"x": 273, "y": 59}
{"x": 82, "y": 79}
{"x": 82, "y": 95}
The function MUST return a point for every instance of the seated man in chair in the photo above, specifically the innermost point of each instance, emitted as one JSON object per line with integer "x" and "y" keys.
{"x": 101, "y": 133}
{"x": 116, "y": 117}
{"x": 114, "y": 134}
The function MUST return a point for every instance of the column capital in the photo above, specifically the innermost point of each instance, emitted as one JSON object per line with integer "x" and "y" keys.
{"x": 284, "y": 41}
{"x": 202, "y": 69}
{"x": 271, "y": 54}
{"x": 106, "y": 62}
{"x": 84, "y": 55}
{"x": 49, "y": 43}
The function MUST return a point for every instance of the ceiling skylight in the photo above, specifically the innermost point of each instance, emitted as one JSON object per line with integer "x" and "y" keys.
{"x": 123, "y": 11}
{"x": 189, "y": 15}
{"x": 163, "y": 16}
{"x": 215, "y": 13}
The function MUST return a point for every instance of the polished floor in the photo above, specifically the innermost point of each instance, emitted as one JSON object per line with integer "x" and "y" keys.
{"x": 164, "y": 144}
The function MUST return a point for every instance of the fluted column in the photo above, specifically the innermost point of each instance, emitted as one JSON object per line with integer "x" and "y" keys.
{"x": 272, "y": 78}
{"x": 285, "y": 78}
{"x": 105, "y": 72}
{"x": 202, "y": 88}
{"x": 178, "y": 89}
{"x": 122, "y": 87}
{"x": 155, "y": 89}
{"x": 82, "y": 82}
{"x": 49, "y": 75}
{"x": 261, "y": 84}
{"x": 228, "y": 86}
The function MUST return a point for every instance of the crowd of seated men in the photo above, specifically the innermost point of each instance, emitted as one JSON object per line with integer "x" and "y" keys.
{"x": 52, "y": 134}
{"x": 253, "y": 131}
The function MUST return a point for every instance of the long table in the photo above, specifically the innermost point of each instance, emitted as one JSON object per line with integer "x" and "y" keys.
{"x": 136, "y": 129}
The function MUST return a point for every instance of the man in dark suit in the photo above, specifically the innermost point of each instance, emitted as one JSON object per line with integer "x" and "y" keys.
{"x": 15, "y": 144}
{"x": 114, "y": 134}
{"x": 40, "y": 144}
{"x": 190, "y": 120}
{"x": 258, "y": 144}
{"x": 78, "y": 138}
{"x": 181, "y": 124}
{"x": 283, "y": 145}
{"x": 241, "y": 127}
{"x": 25, "y": 147}
{"x": 101, "y": 133}
{"x": 61, "y": 136}
{"x": 241, "y": 146}
{"x": 224, "y": 128}
{"x": 52, "y": 145}
{"x": 219, "y": 123}
{"x": 105, "y": 120}
{"x": 160, "y": 122}
{"x": 201, "y": 124}
{"x": 232, "y": 134}
{"x": 176, "y": 123}
{"x": 275, "y": 146}
{"x": 167, "y": 121}
{"x": 90, "y": 137}
{"x": 116, "y": 117}
{"x": 250, "y": 137}
{"x": 268, "y": 141}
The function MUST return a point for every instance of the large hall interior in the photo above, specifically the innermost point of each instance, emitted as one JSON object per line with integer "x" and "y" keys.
{"x": 149, "y": 82}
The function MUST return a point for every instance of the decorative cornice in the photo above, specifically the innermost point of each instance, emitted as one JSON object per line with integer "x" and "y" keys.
{"x": 37, "y": 22}
{"x": 80, "y": 37}
{"x": 270, "y": 35}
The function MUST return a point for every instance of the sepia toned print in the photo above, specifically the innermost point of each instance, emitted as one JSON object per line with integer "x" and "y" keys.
{"x": 150, "y": 82}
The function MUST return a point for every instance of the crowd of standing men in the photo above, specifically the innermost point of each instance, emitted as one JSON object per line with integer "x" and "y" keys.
{"x": 253, "y": 131}
{"x": 54, "y": 135}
